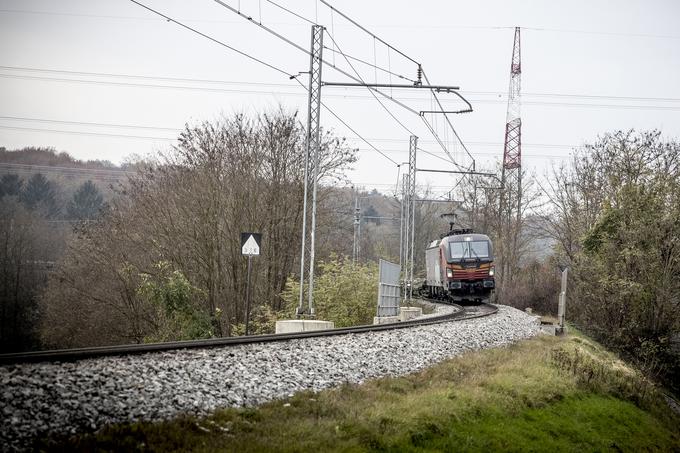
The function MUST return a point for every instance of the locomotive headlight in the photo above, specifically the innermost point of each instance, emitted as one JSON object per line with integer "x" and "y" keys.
{"x": 449, "y": 273}
{"x": 492, "y": 270}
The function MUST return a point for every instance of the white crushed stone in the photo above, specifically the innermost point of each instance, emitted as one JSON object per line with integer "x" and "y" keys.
{"x": 44, "y": 398}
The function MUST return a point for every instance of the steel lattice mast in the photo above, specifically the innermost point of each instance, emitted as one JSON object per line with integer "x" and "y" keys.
{"x": 512, "y": 151}
{"x": 311, "y": 162}
{"x": 411, "y": 219}
{"x": 404, "y": 232}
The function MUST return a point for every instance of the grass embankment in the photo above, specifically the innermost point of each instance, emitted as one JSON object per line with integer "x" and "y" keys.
{"x": 558, "y": 394}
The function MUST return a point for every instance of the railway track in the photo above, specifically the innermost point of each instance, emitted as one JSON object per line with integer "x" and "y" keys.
{"x": 68, "y": 355}
{"x": 62, "y": 394}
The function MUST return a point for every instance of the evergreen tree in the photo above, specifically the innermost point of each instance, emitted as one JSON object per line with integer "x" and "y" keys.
{"x": 371, "y": 212}
{"x": 10, "y": 185}
{"x": 40, "y": 194}
{"x": 86, "y": 203}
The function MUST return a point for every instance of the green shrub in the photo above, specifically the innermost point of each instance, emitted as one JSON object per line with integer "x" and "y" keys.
{"x": 176, "y": 313}
{"x": 344, "y": 292}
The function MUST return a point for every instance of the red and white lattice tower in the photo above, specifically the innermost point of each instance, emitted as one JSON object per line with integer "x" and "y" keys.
{"x": 512, "y": 152}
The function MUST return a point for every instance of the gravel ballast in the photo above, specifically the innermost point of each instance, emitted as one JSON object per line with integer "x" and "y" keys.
{"x": 43, "y": 398}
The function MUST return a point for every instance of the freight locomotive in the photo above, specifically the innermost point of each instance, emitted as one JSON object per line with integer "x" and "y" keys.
{"x": 460, "y": 267}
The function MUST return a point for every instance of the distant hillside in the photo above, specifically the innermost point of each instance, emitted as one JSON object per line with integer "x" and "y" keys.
{"x": 67, "y": 172}
{"x": 49, "y": 156}
{"x": 60, "y": 167}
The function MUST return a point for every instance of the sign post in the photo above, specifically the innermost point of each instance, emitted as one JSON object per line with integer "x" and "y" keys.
{"x": 563, "y": 298}
{"x": 250, "y": 246}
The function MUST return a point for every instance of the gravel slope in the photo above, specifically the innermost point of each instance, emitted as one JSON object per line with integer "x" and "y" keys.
{"x": 84, "y": 395}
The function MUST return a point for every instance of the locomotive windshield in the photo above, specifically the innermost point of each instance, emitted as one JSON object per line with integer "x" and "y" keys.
{"x": 469, "y": 249}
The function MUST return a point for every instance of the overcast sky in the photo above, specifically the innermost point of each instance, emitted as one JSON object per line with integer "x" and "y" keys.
{"x": 98, "y": 78}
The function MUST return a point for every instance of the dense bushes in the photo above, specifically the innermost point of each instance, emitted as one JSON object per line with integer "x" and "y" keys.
{"x": 536, "y": 285}
{"x": 619, "y": 228}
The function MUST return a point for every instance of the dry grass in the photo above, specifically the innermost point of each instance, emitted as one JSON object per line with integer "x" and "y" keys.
{"x": 529, "y": 396}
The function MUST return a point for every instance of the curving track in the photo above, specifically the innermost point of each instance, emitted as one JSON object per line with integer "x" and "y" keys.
{"x": 65, "y": 355}
{"x": 63, "y": 394}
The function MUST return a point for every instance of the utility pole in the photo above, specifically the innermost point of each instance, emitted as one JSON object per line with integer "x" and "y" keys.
{"x": 413, "y": 146}
{"x": 406, "y": 230}
{"x": 357, "y": 221}
{"x": 311, "y": 158}
{"x": 563, "y": 299}
{"x": 402, "y": 207}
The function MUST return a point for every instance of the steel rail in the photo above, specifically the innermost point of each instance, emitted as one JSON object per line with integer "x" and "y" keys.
{"x": 69, "y": 355}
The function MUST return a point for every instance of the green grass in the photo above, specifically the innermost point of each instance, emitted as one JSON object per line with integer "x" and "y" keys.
{"x": 544, "y": 394}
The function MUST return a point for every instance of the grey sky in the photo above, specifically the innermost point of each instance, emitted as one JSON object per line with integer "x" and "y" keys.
{"x": 626, "y": 52}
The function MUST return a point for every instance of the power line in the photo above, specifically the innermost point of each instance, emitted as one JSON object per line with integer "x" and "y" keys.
{"x": 268, "y": 65}
{"x": 104, "y": 16}
{"x": 85, "y": 123}
{"x": 356, "y": 96}
{"x": 355, "y": 132}
{"x": 170, "y": 19}
{"x": 480, "y": 153}
{"x": 137, "y": 76}
{"x": 368, "y": 32}
{"x": 99, "y": 134}
{"x": 176, "y": 130}
{"x": 370, "y": 91}
{"x": 448, "y": 161}
{"x": 446, "y": 117}
{"x": 148, "y": 85}
{"x": 574, "y": 95}
{"x": 91, "y": 171}
{"x": 399, "y": 27}
{"x": 592, "y": 32}
{"x": 480, "y": 143}
{"x": 235, "y": 82}
{"x": 366, "y": 140}
{"x": 389, "y": 46}
{"x": 311, "y": 22}
{"x": 146, "y": 137}
{"x": 306, "y": 52}
{"x": 383, "y": 105}
{"x": 367, "y": 63}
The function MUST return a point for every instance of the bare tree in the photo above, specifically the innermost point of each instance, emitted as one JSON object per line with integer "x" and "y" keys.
{"x": 188, "y": 209}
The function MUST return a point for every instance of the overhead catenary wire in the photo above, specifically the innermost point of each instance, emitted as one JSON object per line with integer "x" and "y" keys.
{"x": 383, "y": 152}
{"x": 274, "y": 67}
{"x": 449, "y": 121}
{"x": 368, "y": 32}
{"x": 247, "y": 82}
{"x": 354, "y": 131}
{"x": 434, "y": 155}
{"x": 371, "y": 91}
{"x": 101, "y": 134}
{"x": 375, "y": 37}
{"x": 176, "y": 130}
{"x": 297, "y": 46}
{"x": 90, "y": 171}
{"x": 343, "y": 96}
{"x": 217, "y": 41}
{"x": 371, "y": 65}
{"x": 307, "y": 52}
{"x": 88, "y": 123}
{"x": 311, "y": 22}
{"x": 429, "y": 26}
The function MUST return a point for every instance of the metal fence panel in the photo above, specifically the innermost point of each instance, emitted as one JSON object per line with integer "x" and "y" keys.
{"x": 389, "y": 294}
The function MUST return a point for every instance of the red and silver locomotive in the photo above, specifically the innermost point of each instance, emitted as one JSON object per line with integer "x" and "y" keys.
{"x": 460, "y": 267}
